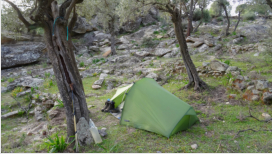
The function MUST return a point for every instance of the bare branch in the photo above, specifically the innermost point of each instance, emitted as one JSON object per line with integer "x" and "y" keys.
{"x": 20, "y": 16}
{"x": 240, "y": 131}
{"x": 69, "y": 10}
{"x": 73, "y": 20}
{"x": 34, "y": 7}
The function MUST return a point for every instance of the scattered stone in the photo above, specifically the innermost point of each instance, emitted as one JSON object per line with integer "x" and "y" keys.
{"x": 95, "y": 87}
{"x": 256, "y": 54}
{"x": 81, "y": 68}
{"x": 250, "y": 87}
{"x": 231, "y": 68}
{"x": 10, "y": 114}
{"x": 52, "y": 113}
{"x": 103, "y": 76}
{"x": 90, "y": 106}
{"x": 255, "y": 98}
{"x": 198, "y": 43}
{"x": 203, "y": 48}
{"x": 152, "y": 75}
{"x": 261, "y": 84}
{"x": 227, "y": 103}
{"x": 83, "y": 132}
{"x": 142, "y": 53}
{"x": 29, "y": 133}
{"x": 218, "y": 66}
{"x": 161, "y": 52}
{"x": 194, "y": 146}
{"x": 102, "y": 132}
{"x": 266, "y": 116}
{"x": 232, "y": 96}
{"x": 255, "y": 92}
{"x": 99, "y": 82}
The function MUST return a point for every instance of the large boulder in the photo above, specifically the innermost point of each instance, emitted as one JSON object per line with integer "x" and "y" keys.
{"x": 17, "y": 55}
{"x": 130, "y": 26}
{"x": 82, "y": 26}
{"x": 148, "y": 19}
{"x": 84, "y": 135}
{"x": 253, "y": 32}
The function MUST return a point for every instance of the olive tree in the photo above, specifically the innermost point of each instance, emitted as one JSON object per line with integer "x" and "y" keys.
{"x": 239, "y": 9}
{"x": 54, "y": 19}
{"x": 129, "y": 9}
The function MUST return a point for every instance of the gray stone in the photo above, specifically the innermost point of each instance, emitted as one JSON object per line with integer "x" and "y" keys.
{"x": 17, "y": 55}
{"x": 99, "y": 82}
{"x": 205, "y": 64}
{"x": 232, "y": 95}
{"x": 261, "y": 84}
{"x": 4, "y": 89}
{"x": 130, "y": 26}
{"x": 162, "y": 51}
{"x": 255, "y": 97}
{"x": 82, "y": 26}
{"x": 94, "y": 48}
{"x": 209, "y": 42}
{"x": 103, "y": 76}
{"x": 95, "y": 87}
{"x": 31, "y": 82}
{"x": 218, "y": 66}
{"x": 152, "y": 75}
{"x": 194, "y": 146}
{"x": 198, "y": 43}
{"x": 240, "y": 77}
{"x": 23, "y": 93}
{"x": 255, "y": 92}
{"x": 103, "y": 132}
{"x": 142, "y": 53}
{"x": 10, "y": 114}
{"x": 52, "y": 113}
{"x": 266, "y": 116}
{"x": 83, "y": 132}
{"x": 203, "y": 48}
{"x": 250, "y": 87}
{"x": 217, "y": 47}
{"x": 39, "y": 116}
{"x": 231, "y": 68}
{"x": 238, "y": 40}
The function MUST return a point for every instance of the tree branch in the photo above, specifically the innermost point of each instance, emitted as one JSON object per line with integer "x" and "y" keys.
{"x": 20, "y": 16}
{"x": 240, "y": 131}
{"x": 69, "y": 10}
{"x": 269, "y": 2}
{"x": 73, "y": 20}
{"x": 34, "y": 7}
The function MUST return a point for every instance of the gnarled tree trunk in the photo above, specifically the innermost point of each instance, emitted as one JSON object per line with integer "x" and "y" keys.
{"x": 237, "y": 22}
{"x": 227, "y": 29}
{"x": 111, "y": 27}
{"x": 190, "y": 67}
{"x": 190, "y": 19}
{"x": 65, "y": 69}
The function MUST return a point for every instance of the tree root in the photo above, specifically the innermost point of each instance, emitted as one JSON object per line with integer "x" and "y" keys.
{"x": 251, "y": 116}
{"x": 200, "y": 87}
{"x": 240, "y": 131}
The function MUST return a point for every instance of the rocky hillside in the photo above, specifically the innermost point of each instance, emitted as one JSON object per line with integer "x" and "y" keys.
{"x": 237, "y": 68}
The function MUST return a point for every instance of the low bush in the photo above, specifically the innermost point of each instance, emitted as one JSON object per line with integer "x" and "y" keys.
{"x": 149, "y": 42}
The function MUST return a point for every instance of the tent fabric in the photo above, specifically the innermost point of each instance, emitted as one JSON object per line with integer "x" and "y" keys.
{"x": 120, "y": 95}
{"x": 150, "y": 107}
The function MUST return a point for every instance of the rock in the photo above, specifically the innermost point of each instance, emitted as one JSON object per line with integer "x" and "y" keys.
{"x": 205, "y": 64}
{"x": 209, "y": 42}
{"x": 123, "y": 46}
{"x": 52, "y": 113}
{"x": 102, "y": 132}
{"x": 218, "y": 66}
{"x": 83, "y": 132}
{"x": 148, "y": 19}
{"x": 256, "y": 92}
{"x": 268, "y": 99}
{"x": 99, "y": 36}
{"x": 237, "y": 40}
{"x": 17, "y": 55}
{"x": 227, "y": 103}
{"x": 39, "y": 113}
{"x": 255, "y": 97}
{"x": 130, "y": 26}
{"x": 4, "y": 89}
{"x": 250, "y": 87}
{"x": 81, "y": 69}
{"x": 10, "y": 114}
{"x": 95, "y": 87}
{"x": 103, "y": 76}
{"x": 266, "y": 116}
{"x": 99, "y": 82}
{"x": 191, "y": 39}
{"x": 240, "y": 77}
{"x": 110, "y": 84}
{"x": 256, "y": 54}
{"x": 194, "y": 146}
{"x": 217, "y": 47}
{"x": 261, "y": 84}
{"x": 231, "y": 68}
{"x": 82, "y": 26}
{"x": 142, "y": 53}
{"x": 152, "y": 76}
{"x": 23, "y": 93}
{"x": 162, "y": 51}
{"x": 31, "y": 82}
{"x": 198, "y": 43}
{"x": 48, "y": 104}
{"x": 203, "y": 48}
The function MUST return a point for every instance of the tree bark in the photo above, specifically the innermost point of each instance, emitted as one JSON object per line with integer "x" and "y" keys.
{"x": 237, "y": 22}
{"x": 227, "y": 29}
{"x": 194, "y": 79}
{"x": 112, "y": 32}
{"x": 269, "y": 2}
{"x": 190, "y": 20}
{"x": 65, "y": 69}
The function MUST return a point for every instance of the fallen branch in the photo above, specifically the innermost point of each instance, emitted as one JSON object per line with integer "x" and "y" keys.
{"x": 26, "y": 110}
{"x": 251, "y": 116}
{"x": 240, "y": 131}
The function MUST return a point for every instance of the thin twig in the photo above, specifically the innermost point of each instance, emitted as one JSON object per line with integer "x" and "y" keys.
{"x": 240, "y": 131}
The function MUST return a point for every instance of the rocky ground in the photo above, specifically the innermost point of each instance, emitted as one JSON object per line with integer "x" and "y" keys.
{"x": 237, "y": 68}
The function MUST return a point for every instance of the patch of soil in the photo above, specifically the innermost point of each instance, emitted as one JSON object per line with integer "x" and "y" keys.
{"x": 59, "y": 118}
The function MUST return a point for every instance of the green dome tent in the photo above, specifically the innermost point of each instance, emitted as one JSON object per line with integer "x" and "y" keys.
{"x": 150, "y": 107}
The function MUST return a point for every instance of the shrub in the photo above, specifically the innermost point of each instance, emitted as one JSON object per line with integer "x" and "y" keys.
{"x": 177, "y": 45}
{"x": 249, "y": 16}
{"x": 233, "y": 33}
{"x": 44, "y": 64}
{"x": 47, "y": 75}
{"x": 56, "y": 144}
{"x": 206, "y": 15}
{"x": 156, "y": 32}
{"x": 60, "y": 104}
{"x": 227, "y": 62}
{"x": 81, "y": 64}
{"x": 95, "y": 61}
{"x": 149, "y": 42}
{"x": 219, "y": 18}
{"x": 16, "y": 91}
{"x": 11, "y": 80}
